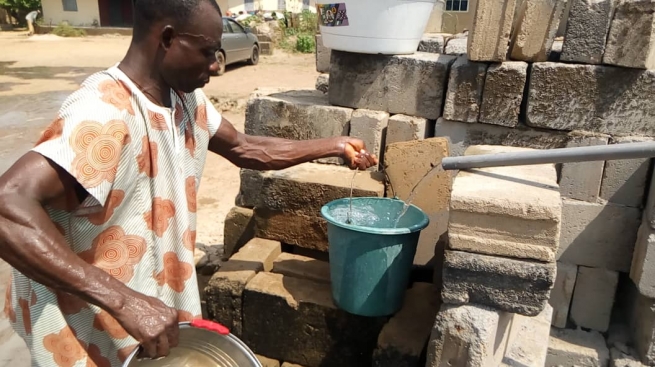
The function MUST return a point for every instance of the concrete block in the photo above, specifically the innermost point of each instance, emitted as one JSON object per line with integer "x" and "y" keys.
{"x": 640, "y": 312}
{"x": 323, "y": 55}
{"x": 404, "y": 337}
{"x": 620, "y": 358}
{"x": 299, "y": 115}
{"x": 528, "y": 340}
{"x": 506, "y": 211}
{"x": 599, "y": 236}
{"x": 265, "y": 48}
{"x": 593, "y": 298}
{"x": 250, "y": 187}
{"x": 586, "y": 31}
{"x": 649, "y": 210}
{"x": 577, "y": 348}
{"x": 468, "y": 336}
{"x": 642, "y": 271}
{"x": 490, "y": 34}
{"x": 323, "y": 82}
{"x": 509, "y": 285}
{"x": 405, "y": 84}
{"x": 631, "y": 38}
{"x": 456, "y": 46}
{"x": 503, "y": 93}
{"x": 581, "y": 180}
{"x": 267, "y": 362}
{"x": 239, "y": 228}
{"x": 295, "y": 320}
{"x": 432, "y": 42}
{"x": 292, "y": 228}
{"x": 608, "y": 100}
{"x": 223, "y": 294}
{"x": 464, "y": 94}
{"x": 408, "y": 128}
{"x": 371, "y": 127}
{"x": 562, "y": 293}
{"x": 461, "y": 136}
{"x": 432, "y": 187}
{"x": 535, "y": 28}
{"x": 287, "y": 364}
{"x": 304, "y": 267}
{"x": 624, "y": 181}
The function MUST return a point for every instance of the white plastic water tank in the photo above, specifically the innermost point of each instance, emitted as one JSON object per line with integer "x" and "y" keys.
{"x": 389, "y": 27}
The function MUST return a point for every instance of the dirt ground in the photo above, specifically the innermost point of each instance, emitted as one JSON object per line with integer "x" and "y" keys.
{"x": 37, "y": 73}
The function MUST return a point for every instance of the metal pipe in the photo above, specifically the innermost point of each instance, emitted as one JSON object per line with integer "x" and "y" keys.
{"x": 561, "y": 155}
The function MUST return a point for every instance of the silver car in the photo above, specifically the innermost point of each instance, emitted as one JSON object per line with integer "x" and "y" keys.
{"x": 239, "y": 44}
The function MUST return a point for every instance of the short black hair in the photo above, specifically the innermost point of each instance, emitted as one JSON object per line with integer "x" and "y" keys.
{"x": 147, "y": 12}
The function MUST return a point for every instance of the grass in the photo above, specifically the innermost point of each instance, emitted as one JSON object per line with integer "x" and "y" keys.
{"x": 298, "y": 36}
{"x": 65, "y": 30}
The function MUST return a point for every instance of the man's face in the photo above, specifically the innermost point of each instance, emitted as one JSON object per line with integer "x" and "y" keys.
{"x": 191, "y": 57}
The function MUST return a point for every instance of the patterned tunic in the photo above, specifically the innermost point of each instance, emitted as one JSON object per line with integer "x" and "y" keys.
{"x": 141, "y": 164}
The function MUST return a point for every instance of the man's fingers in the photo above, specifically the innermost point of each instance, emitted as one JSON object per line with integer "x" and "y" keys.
{"x": 149, "y": 348}
{"x": 162, "y": 346}
{"x": 173, "y": 334}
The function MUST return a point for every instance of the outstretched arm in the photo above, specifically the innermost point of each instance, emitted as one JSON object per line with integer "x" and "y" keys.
{"x": 266, "y": 153}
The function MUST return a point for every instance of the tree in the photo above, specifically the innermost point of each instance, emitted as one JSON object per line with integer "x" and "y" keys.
{"x": 19, "y": 8}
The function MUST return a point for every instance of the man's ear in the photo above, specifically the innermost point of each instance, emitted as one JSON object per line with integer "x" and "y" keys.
{"x": 167, "y": 36}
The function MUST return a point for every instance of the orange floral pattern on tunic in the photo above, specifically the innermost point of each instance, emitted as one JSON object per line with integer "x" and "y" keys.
{"x": 104, "y": 322}
{"x": 97, "y": 150}
{"x": 116, "y": 253}
{"x": 96, "y": 359}
{"x": 52, "y": 131}
{"x": 25, "y": 312}
{"x": 9, "y": 310}
{"x": 147, "y": 160}
{"x": 66, "y": 349}
{"x": 70, "y": 304}
{"x": 113, "y": 201}
{"x": 179, "y": 114}
{"x": 201, "y": 117}
{"x": 157, "y": 219}
{"x": 189, "y": 240}
{"x": 191, "y": 194}
{"x": 189, "y": 139}
{"x": 157, "y": 120}
{"x": 175, "y": 272}
{"x": 117, "y": 94}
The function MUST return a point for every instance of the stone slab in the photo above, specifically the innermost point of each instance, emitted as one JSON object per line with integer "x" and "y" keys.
{"x": 620, "y": 358}
{"x": 303, "y": 267}
{"x": 371, "y": 128}
{"x": 432, "y": 42}
{"x": 577, "y": 348}
{"x": 640, "y": 312}
{"x": 509, "y": 285}
{"x": 250, "y": 187}
{"x": 267, "y": 362}
{"x": 631, "y": 38}
{"x": 642, "y": 271}
{"x": 586, "y": 31}
{"x": 562, "y": 293}
{"x": 506, "y": 211}
{"x": 490, "y": 33}
{"x": 295, "y": 320}
{"x": 298, "y": 115}
{"x": 607, "y": 231}
{"x": 408, "y": 128}
{"x": 625, "y": 181}
{"x": 323, "y": 55}
{"x": 593, "y": 298}
{"x": 323, "y": 83}
{"x": 469, "y": 335}
{"x": 464, "y": 94}
{"x": 302, "y": 230}
{"x": 535, "y": 28}
{"x": 649, "y": 209}
{"x": 406, "y": 84}
{"x": 260, "y": 253}
{"x": 431, "y": 186}
{"x": 581, "y": 180}
{"x": 403, "y": 338}
{"x": 456, "y": 46}
{"x": 528, "y": 340}
{"x": 287, "y": 364}
{"x": 608, "y": 100}
{"x": 503, "y": 93}
{"x": 239, "y": 228}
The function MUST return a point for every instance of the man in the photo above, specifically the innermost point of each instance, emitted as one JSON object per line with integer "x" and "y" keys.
{"x": 99, "y": 219}
{"x": 31, "y": 19}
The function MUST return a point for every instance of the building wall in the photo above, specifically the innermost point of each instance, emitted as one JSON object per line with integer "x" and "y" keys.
{"x": 457, "y": 21}
{"x": 294, "y": 6}
{"x": 87, "y": 12}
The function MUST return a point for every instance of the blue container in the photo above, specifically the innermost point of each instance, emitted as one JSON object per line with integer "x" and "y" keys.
{"x": 371, "y": 258}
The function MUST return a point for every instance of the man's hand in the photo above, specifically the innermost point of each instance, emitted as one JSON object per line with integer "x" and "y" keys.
{"x": 355, "y": 155}
{"x": 151, "y": 322}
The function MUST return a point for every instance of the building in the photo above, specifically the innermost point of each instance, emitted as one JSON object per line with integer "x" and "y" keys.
{"x": 457, "y": 15}
{"x": 118, "y": 13}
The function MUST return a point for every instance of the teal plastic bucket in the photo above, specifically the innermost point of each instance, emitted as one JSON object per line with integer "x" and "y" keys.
{"x": 371, "y": 258}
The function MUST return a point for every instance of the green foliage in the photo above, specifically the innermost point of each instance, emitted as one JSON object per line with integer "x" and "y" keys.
{"x": 65, "y": 30}
{"x": 20, "y": 5}
{"x": 305, "y": 43}
{"x": 308, "y": 22}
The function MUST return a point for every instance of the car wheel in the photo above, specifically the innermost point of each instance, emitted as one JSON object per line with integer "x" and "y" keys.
{"x": 220, "y": 58}
{"x": 254, "y": 57}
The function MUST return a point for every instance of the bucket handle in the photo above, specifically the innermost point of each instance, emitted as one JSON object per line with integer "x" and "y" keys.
{"x": 211, "y": 326}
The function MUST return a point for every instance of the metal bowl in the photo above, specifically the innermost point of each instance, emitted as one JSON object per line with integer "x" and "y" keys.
{"x": 202, "y": 344}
